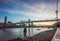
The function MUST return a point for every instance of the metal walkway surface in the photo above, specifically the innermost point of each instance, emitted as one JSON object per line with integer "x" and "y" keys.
{"x": 57, "y": 35}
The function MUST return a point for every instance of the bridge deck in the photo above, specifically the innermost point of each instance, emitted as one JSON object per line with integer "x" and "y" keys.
{"x": 57, "y": 35}
{"x": 39, "y": 21}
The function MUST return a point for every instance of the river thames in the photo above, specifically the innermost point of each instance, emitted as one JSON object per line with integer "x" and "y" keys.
{"x": 12, "y": 33}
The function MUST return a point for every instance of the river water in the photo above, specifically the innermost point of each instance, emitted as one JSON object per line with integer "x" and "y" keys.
{"x": 12, "y": 33}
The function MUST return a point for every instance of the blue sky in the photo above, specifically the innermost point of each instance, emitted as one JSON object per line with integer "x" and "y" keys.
{"x": 17, "y": 10}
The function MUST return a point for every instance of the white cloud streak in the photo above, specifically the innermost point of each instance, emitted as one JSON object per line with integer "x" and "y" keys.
{"x": 39, "y": 10}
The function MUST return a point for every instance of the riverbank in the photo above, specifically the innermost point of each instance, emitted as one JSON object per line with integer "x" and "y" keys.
{"x": 44, "y": 36}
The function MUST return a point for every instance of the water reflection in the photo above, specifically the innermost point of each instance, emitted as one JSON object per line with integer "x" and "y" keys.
{"x": 12, "y": 33}
{"x": 25, "y": 33}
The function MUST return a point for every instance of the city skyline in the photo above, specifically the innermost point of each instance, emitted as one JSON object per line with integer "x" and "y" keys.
{"x": 17, "y": 10}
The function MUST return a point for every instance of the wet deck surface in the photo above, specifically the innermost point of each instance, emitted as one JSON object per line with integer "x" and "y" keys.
{"x": 57, "y": 35}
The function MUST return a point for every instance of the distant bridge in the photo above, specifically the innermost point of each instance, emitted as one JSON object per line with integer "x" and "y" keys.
{"x": 38, "y": 21}
{"x": 23, "y": 23}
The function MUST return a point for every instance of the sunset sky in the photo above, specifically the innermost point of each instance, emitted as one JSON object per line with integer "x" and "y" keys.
{"x": 17, "y": 10}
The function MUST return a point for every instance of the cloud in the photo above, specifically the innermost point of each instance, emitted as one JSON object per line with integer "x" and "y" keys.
{"x": 37, "y": 10}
